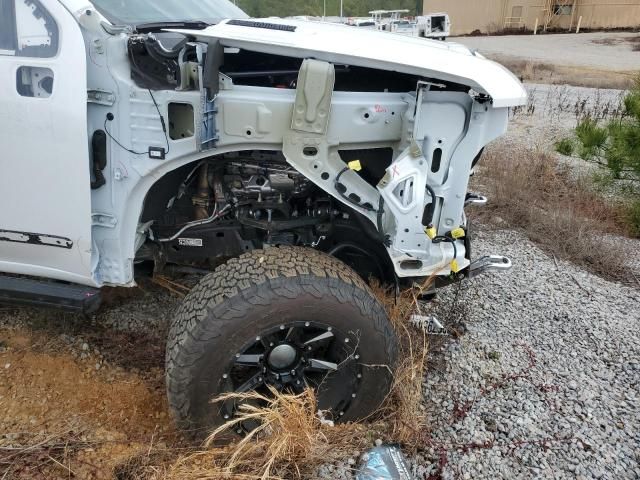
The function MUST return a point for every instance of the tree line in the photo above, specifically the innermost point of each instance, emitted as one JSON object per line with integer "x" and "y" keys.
{"x": 351, "y": 8}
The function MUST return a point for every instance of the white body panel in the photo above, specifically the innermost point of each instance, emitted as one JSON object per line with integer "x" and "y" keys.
{"x": 44, "y": 164}
{"x": 344, "y": 44}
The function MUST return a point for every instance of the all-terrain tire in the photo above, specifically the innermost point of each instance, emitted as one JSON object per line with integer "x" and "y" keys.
{"x": 258, "y": 291}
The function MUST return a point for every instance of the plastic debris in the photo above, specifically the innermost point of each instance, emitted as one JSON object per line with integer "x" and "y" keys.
{"x": 429, "y": 323}
{"x": 385, "y": 462}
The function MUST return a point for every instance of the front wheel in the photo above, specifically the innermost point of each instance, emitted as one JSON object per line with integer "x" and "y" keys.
{"x": 287, "y": 317}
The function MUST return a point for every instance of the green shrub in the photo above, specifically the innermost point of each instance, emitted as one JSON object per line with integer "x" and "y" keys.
{"x": 565, "y": 147}
{"x": 615, "y": 146}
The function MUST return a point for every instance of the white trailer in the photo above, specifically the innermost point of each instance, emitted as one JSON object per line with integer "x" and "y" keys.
{"x": 434, "y": 25}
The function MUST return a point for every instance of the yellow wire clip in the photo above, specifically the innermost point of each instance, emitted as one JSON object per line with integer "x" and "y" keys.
{"x": 454, "y": 266}
{"x": 457, "y": 233}
{"x": 355, "y": 165}
{"x": 431, "y": 231}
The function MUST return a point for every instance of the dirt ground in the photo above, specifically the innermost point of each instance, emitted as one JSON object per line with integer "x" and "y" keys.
{"x": 598, "y": 50}
{"x": 77, "y": 399}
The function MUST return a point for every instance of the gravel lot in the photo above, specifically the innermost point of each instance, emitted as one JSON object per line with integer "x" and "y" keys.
{"x": 545, "y": 384}
{"x": 602, "y": 50}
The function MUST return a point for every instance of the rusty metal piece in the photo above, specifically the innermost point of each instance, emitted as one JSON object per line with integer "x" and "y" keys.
{"x": 201, "y": 200}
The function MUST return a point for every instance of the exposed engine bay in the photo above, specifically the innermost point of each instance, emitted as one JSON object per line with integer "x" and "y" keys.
{"x": 250, "y": 200}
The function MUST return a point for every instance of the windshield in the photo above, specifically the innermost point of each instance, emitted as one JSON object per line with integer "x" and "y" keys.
{"x": 136, "y": 12}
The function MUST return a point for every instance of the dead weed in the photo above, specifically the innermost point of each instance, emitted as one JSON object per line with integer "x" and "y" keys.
{"x": 541, "y": 72}
{"x": 556, "y": 207}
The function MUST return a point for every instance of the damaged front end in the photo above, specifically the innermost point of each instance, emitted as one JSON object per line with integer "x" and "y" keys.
{"x": 319, "y": 135}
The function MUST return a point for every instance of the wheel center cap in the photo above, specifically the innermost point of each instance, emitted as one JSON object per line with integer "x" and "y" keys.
{"x": 282, "y": 356}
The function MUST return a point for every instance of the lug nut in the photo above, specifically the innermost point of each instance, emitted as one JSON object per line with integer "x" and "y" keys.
{"x": 224, "y": 375}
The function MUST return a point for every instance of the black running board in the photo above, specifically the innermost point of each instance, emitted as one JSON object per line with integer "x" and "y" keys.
{"x": 49, "y": 294}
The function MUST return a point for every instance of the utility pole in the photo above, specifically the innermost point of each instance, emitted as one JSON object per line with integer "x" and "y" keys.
{"x": 341, "y": 1}
{"x": 324, "y": 11}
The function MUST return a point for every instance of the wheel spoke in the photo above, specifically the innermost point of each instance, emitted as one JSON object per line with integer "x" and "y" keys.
{"x": 323, "y": 336}
{"x": 250, "y": 384}
{"x": 321, "y": 365}
{"x": 249, "y": 359}
{"x": 289, "y": 335}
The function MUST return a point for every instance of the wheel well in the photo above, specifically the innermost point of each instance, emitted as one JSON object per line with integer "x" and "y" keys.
{"x": 341, "y": 231}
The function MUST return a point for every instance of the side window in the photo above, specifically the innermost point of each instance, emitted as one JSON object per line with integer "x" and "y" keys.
{"x": 7, "y": 27}
{"x": 36, "y": 33}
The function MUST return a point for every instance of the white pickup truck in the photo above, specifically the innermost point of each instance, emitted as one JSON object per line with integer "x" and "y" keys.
{"x": 288, "y": 161}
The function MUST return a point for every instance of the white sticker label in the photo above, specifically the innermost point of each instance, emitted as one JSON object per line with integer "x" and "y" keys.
{"x": 190, "y": 242}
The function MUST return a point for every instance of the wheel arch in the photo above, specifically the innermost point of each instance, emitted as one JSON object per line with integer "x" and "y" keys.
{"x": 117, "y": 245}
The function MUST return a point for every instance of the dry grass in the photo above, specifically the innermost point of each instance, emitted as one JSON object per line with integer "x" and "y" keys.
{"x": 557, "y": 209}
{"x": 292, "y": 439}
{"x": 540, "y": 72}
{"x": 634, "y": 41}
{"x": 404, "y": 417}
{"x": 289, "y": 437}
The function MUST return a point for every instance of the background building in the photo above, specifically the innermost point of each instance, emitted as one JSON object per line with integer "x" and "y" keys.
{"x": 489, "y": 16}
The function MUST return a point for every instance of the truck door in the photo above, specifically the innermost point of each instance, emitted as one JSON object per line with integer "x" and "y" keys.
{"x": 45, "y": 210}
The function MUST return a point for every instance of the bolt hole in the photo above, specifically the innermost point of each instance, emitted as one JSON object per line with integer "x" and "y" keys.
{"x": 366, "y": 115}
{"x": 310, "y": 151}
{"x": 249, "y": 133}
{"x": 324, "y": 176}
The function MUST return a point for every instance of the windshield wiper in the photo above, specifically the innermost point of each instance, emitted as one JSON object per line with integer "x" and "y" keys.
{"x": 155, "y": 26}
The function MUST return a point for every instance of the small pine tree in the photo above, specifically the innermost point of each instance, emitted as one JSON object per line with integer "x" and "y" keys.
{"x": 615, "y": 146}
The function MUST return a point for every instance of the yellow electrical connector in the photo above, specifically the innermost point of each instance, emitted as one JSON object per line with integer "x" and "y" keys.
{"x": 430, "y": 231}
{"x": 454, "y": 266}
{"x": 355, "y": 165}
{"x": 457, "y": 233}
